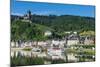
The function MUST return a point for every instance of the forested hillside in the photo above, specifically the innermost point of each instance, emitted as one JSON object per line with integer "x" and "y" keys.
{"x": 27, "y": 31}
{"x": 66, "y": 22}
{"x": 56, "y": 24}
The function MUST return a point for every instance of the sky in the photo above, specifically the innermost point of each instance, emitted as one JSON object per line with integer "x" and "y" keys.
{"x": 40, "y": 8}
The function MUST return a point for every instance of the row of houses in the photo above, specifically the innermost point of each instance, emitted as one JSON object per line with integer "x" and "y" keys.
{"x": 72, "y": 39}
{"x": 75, "y": 39}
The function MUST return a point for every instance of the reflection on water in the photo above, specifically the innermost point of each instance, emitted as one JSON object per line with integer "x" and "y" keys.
{"x": 70, "y": 57}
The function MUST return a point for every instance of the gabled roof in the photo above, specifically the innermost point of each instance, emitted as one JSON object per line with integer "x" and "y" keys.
{"x": 73, "y": 37}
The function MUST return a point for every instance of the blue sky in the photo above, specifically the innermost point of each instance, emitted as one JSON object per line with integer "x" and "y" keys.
{"x": 20, "y": 8}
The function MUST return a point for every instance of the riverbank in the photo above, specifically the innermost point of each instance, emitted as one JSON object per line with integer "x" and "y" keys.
{"x": 83, "y": 51}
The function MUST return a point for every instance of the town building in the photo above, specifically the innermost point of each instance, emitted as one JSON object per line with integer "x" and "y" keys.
{"x": 56, "y": 49}
{"x": 89, "y": 41}
{"x": 72, "y": 39}
{"x": 47, "y": 33}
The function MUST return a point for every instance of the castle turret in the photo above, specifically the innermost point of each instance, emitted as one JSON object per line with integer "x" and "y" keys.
{"x": 29, "y": 15}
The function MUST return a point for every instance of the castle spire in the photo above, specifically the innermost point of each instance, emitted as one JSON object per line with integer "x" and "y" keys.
{"x": 29, "y": 15}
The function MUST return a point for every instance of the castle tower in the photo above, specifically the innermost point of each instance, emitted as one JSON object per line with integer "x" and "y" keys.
{"x": 29, "y": 16}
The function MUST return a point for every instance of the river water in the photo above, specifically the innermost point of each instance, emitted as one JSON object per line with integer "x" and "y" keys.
{"x": 69, "y": 57}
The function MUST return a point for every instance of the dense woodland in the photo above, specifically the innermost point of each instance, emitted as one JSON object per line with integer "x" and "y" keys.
{"x": 56, "y": 24}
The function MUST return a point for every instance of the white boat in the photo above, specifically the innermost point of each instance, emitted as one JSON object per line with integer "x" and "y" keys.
{"x": 36, "y": 49}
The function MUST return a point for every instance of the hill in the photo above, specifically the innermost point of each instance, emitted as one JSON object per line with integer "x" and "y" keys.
{"x": 66, "y": 22}
{"x": 56, "y": 24}
{"x": 28, "y": 31}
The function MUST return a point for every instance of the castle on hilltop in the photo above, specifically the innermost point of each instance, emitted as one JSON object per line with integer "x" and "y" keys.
{"x": 27, "y": 17}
